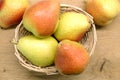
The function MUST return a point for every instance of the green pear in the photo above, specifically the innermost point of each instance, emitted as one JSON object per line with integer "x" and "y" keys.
{"x": 72, "y": 26}
{"x": 71, "y": 57}
{"x": 11, "y": 12}
{"x": 42, "y": 17}
{"x": 40, "y": 52}
{"x": 103, "y": 11}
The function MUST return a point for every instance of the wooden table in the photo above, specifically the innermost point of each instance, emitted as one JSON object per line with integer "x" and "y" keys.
{"x": 104, "y": 63}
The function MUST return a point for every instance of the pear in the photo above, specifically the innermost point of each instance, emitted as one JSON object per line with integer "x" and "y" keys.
{"x": 71, "y": 57}
{"x": 11, "y": 12}
{"x": 40, "y": 52}
{"x": 103, "y": 11}
{"x": 72, "y": 26}
{"x": 42, "y": 17}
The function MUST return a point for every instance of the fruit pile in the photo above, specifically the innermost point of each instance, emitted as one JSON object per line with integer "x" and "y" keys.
{"x": 55, "y": 37}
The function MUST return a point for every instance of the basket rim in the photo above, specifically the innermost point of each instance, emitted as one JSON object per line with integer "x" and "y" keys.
{"x": 47, "y": 71}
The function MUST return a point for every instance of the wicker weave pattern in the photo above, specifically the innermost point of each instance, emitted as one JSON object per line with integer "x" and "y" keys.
{"x": 89, "y": 42}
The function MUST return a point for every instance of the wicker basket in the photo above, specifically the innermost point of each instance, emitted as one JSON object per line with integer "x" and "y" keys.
{"x": 89, "y": 42}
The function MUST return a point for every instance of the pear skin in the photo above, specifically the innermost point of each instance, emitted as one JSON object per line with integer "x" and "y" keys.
{"x": 103, "y": 11}
{"x": 39, "y": 51}
{"x": 42, "y": 17}
{"x": 11, "y": 12}
{"x": 72, "y": 26}
{"x": 71, "y": 57}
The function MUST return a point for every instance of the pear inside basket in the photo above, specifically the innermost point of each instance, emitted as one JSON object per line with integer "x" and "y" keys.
{"x": 88, "y": 41}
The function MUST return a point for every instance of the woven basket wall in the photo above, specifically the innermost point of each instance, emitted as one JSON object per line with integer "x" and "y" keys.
{"x": 89, "y": 42}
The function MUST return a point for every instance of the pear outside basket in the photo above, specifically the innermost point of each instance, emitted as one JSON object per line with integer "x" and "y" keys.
{"x": 88, "y": 41}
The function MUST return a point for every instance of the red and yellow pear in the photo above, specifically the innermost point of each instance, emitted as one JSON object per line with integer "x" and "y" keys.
{"x": 71, "y": 57}
{"x": 42, "y": 17}
{"x": 11, "y": 12}
{"x": 103, "y": 11}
